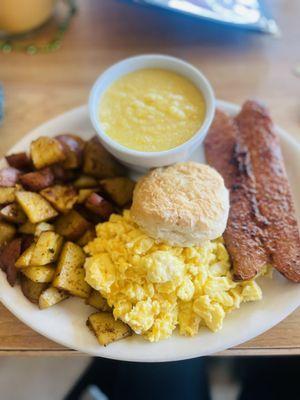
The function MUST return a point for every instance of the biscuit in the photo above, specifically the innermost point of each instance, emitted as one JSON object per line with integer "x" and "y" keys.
{"x": 183, "y": 205}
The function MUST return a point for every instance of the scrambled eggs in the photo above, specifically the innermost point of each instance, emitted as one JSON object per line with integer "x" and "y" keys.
{"x": 154, "y": 287}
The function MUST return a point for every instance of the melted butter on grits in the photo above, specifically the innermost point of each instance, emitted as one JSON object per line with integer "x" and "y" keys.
{"x": 155, "y": 288}
{"x": 152, "y": 110}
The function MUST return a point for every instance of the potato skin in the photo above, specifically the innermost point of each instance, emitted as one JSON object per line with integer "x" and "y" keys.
{"x": 98, "y": 162}
{"x": 19, "y": 161}
{"x": 46, "y": 151}
{"x": 32, "y": 290}
{"x": 9, "y": 176}
{"x": 38, "y": 180}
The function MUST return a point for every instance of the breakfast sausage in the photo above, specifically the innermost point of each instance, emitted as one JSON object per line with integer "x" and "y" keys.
{"x": 273, "y": 194}
{"x": 242, "y": 235}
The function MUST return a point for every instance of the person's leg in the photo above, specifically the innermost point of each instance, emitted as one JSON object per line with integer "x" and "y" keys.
{"x": 174, "y": 381}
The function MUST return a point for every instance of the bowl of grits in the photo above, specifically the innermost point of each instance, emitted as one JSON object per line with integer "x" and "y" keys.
{"x": 151, "y": 110}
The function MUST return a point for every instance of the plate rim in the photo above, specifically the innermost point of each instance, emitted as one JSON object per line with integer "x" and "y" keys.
{"x": 229, "y": 107}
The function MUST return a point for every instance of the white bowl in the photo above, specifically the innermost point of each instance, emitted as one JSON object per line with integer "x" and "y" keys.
{"x": 141, "y": 160}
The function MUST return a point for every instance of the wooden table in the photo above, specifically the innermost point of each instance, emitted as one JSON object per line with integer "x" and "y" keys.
{"x": 239, "y": 65}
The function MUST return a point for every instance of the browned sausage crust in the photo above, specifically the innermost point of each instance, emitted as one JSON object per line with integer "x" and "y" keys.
{"x": 273, "y": 194}
{"x": 242, "y": 235}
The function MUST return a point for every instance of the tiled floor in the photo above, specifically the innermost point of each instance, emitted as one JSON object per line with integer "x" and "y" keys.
{"x": 39, "y": 378}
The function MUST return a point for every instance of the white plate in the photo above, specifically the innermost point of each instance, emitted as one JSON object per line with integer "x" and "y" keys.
{"x": 65, "y": 323}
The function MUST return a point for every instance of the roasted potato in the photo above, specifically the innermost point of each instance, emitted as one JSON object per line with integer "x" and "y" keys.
{"x": 32, "y": 290}
{"x": 89, "y": 235}
{"x": 9, "y": 176}
{"x": 40, "y": 273}
{"x": 119, "y": 189}
{"x": 71, "y": 225}
{"x": 85, "y": 181}
{"x": 7, "y": 195}
{"x": 51, "y": 296}
{"x": 8, "y": 257}
{"x": 70, "y": 273}
{"x": 62, "y": 197}
{"x": 38, "y": 180}
{"x": 99, "y": 206}
{"x": 25, "y": 258}
{"x": 96, "y": 300}
{"x": 13, "y": 213}
{"x": 7, "y": 233}
{"x": 83, "y": 194}
{"x": 98, "y": 162}
{"x": 47, "y": 248}
{"x": 73, "y": 146}
{"x": 106, "y": 328}
{"x": 19, "y": 161}
{"x": 46, "y": 151}
{"x": 43, "y": 227}
{"x": 35, "y": 229}
{"x": 35, "y": 206}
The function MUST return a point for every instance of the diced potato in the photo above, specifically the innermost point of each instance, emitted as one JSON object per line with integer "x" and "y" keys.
{"x": 40, "y": 273}
{"x": 18, "y": 160}
{"x": 45, "y": 151}
{"x": 73, "y": 146}
{"x": 62, "y": 197}
{"x": 98, "y": 301}
{"x": 98, "y": 162}
{"x": 13, "y": 213}
{"x": 28, "y": 228}
{"x": 8, "y": 258}
{"x": 119, "y": 189}
{"x": 85, "y": 181}
{"x": 35, "y": 206}
{"x": 24, "y": 260}
{"x": 47, "y": 248}
{"x": 43, "y": 227}
{"x": 51, "y": 296}
{"x": 35, "y": 229}
{"x": 71, "y": 225}
{"x": 9, "y": 176}
{"x": 32, "y": 290}
{"x": 83, "y": 194}
{"x": 106, "y": 328}
{"x": 7, "y": 195}
{"x": 38, "y": 180}
{"x": 70, "y": 273}
{"x": 7, "y": 233}
{"x": 89, "y": 235}
{"x": 99, "y": 206}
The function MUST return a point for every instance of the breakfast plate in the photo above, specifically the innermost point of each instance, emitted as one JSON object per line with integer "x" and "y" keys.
{"x": 65, "y": 323}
